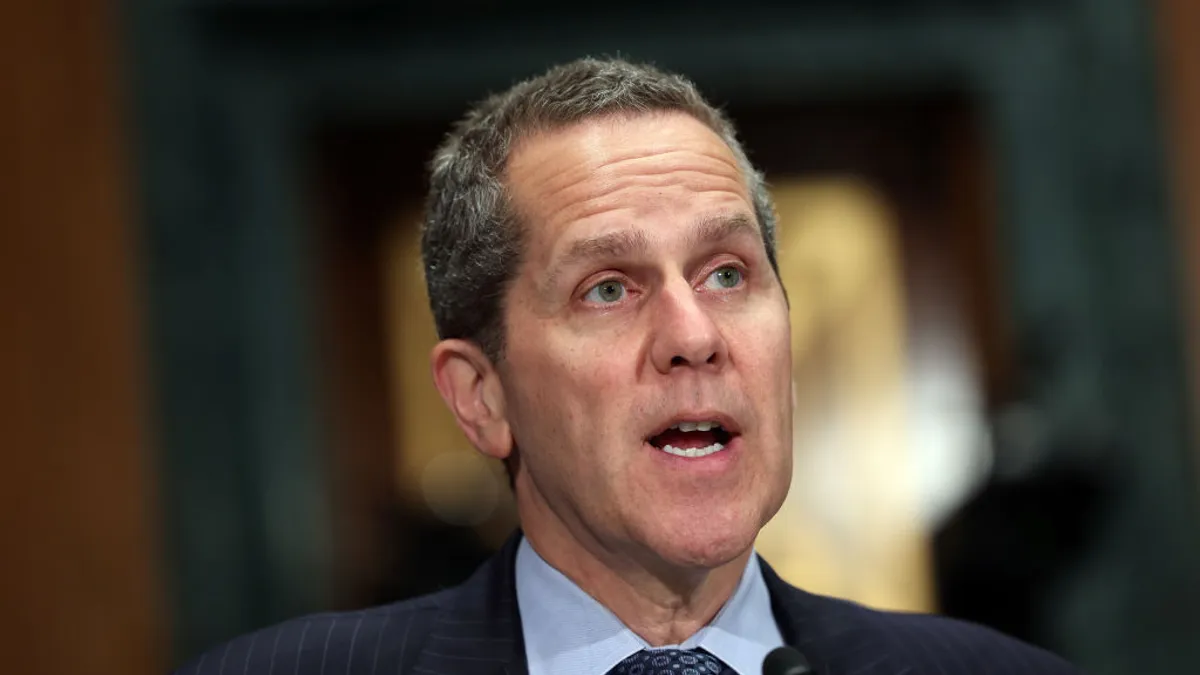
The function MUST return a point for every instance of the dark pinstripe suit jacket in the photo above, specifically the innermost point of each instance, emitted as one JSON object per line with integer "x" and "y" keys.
{"x": 475, "y": 629}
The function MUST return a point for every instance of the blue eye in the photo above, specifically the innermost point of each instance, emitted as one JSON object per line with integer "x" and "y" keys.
{"x": 606, "y": 292}
{"x": 725, "y": 277}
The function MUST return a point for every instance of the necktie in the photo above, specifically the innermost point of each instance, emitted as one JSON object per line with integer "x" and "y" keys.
{"x": 670, "y": 662}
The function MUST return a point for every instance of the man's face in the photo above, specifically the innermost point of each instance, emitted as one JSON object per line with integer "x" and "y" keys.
{"x": 645, "y": 310}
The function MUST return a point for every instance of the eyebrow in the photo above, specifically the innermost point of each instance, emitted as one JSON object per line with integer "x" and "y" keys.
{"x": 714, "y": 228}
{"x": 706, "y": 230}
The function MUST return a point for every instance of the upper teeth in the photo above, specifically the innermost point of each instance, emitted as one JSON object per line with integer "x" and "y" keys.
{"x": 696, "y": 426}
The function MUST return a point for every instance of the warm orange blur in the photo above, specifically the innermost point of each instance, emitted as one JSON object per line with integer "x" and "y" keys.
{"x": 79, "y": 570}
{"x": 1179, "y": 59}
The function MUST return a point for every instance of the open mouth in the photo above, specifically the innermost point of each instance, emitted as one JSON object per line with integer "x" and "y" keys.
{"x": 692, "y": 439}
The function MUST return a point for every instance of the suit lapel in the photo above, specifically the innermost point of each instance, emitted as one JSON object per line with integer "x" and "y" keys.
{"x": 478, "y": 630}
{"x": 831, "y": 634}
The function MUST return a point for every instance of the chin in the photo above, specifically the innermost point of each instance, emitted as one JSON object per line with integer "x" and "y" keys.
{"x": 708, "y": 541}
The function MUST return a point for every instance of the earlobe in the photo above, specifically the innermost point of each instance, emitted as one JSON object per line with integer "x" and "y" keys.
{"x": 470, "y": 386}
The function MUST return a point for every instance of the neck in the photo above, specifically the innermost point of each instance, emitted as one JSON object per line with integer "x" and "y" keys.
{"x": 662, "y": 603}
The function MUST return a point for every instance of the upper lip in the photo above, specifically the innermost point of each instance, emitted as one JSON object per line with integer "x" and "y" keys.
{"x": 727, "y": 422}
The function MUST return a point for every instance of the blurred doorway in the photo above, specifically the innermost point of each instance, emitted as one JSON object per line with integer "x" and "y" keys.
{"x": 886, "y": 248}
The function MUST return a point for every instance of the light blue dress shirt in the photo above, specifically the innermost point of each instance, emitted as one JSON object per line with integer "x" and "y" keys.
{"x": 567, "y": 632}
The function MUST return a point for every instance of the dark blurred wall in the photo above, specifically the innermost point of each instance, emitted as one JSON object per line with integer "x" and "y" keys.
{"x": 78, "y": 577}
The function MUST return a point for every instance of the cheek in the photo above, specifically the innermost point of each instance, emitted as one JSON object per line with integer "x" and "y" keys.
{"x": 571, "y": 391}
{"x": 595, "y": 365}
{"x": 596, "y": 398}
{"x": 766, "y": 352}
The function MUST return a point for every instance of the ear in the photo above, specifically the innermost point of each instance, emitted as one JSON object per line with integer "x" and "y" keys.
{"x": 470, "y": 386}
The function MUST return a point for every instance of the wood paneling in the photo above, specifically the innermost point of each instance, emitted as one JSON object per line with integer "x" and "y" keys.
{"x": 1179, "y": 58}
{"x": 77, "y": 573}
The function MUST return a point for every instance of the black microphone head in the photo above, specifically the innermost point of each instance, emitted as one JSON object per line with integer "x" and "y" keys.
{"x": 786, "y": 661}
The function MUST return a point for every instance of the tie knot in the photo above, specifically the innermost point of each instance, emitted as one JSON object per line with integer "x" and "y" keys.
{"x": 669, "y": 662}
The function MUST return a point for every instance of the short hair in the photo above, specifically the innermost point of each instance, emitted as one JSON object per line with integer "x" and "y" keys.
{"x": 471, "y": 242}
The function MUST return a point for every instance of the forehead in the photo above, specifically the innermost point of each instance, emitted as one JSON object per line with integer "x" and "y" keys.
{"x": 622, "y": 169}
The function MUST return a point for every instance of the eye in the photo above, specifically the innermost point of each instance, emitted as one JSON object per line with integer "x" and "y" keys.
{"x": 724, "y": 277}
{"x": 606, "y": 292}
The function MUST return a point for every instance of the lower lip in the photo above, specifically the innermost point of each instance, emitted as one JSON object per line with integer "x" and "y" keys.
{"x": 716, "y": 462}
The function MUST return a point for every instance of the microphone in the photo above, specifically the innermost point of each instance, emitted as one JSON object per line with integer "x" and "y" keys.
{"x": 786, "y": 661}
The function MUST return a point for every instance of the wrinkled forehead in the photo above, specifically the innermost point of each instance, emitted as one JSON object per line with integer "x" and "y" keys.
{"x": 632, "y": 163}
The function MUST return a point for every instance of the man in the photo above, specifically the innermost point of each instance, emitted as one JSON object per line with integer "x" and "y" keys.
{"x": 600, "y": 261}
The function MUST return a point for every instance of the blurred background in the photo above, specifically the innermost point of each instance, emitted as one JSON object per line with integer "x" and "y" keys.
{"x": 215, "y": 407}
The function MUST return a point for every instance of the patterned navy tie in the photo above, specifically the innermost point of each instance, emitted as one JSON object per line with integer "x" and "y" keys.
{"x": 671, "y": 662}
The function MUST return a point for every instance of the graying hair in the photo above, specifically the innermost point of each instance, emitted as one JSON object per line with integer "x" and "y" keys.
{"x": 471, "y": 241}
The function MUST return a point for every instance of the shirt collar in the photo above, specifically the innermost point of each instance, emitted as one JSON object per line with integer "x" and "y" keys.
{"x": 567, "y": 632}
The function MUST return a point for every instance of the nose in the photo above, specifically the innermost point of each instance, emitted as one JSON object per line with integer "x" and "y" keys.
{"x": 685, "y": 334}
